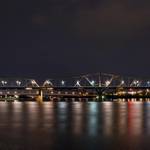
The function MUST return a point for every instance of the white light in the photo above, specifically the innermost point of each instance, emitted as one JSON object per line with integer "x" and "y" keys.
{"x": 28, "y": 88}
{"x": 62, "y": 82}
{"x": 107, "y": 83}
{"x": 148, "y": 82}
{"x": 18, "y": 83}
{"x": 33, "y": 82}
{"x": 122, "y": 82}
{"x": 47, "y": 82}
{"x": 136, "y": 82}
{"x": 4, "y": 82}
{"x": 16, "y": 96}
{"x": 92, "y": 82}
{"x": 78, "y": 83}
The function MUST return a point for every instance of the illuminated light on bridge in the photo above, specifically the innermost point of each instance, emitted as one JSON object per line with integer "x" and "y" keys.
{"x": 122, "y": 82}
{"x": 18, "y": 83}
{"x": 62, "y": 82}
{"x": 93, "y": 83}
{"x": 107, "y": 83}
{"x": 121, "y": 93}
{"x": 48, "y": 83}
{"x": 135, "y": 83}
{"x": 96, "y": 85}
{"x": 34, "y": 83}
{"x": 132, "y": 92}
{"x": 28, "y": 88}
{"x": 4, "y": 82}
{"x": 78, "y": 83}
{"x": 148, "y": 83}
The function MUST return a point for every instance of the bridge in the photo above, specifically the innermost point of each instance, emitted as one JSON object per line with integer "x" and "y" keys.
{"x": 96, "y": 85}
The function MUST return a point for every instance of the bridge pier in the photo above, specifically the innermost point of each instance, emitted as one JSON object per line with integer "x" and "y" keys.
{"x": 99, "y": 94}
{"x": 39, "y": 98}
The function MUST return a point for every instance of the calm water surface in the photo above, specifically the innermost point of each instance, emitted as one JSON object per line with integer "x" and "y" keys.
{"x": 74, "y": 126}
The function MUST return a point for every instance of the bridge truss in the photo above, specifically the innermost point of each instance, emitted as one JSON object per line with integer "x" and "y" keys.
{"x": 87, "y": 80}
{"x": 88, "y": 85}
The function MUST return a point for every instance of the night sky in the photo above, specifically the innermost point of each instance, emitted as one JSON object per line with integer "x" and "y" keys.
{"x": 52, "y": 38}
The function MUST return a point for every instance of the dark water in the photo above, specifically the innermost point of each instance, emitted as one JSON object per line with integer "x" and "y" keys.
{"x": 74, "y": 126}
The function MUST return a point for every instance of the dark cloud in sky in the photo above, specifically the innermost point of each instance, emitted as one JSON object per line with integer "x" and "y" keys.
{"x": 45, "y": 38}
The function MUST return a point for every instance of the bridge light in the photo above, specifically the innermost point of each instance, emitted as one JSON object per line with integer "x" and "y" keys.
{"x": 15, "y": 92}
{"x": 33, "y": 82}
{"x": 148, "y": 83}
{"x": 47, "y": 82}
{"x": 62, "y": 82}
{"x": 16, "y": 96}
{"x": 107, "y": 83}
{"x": 122, "y": 82}
{"x": 78, "y": 83}
{"x": 28, "y": 88}
{"x": 18, "y": 83}
{"x": 92, "y": 82}
{"x": 4, "y": 82}
{"x": 136, "y": 82}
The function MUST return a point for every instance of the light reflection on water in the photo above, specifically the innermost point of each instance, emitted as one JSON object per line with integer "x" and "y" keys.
{"x": 135, "y": 118}
{"x": 92, "y": 120}
{"x": 107, "y": 112}
{"x": 77, "y": 118}
{"x": 53, "y": 125}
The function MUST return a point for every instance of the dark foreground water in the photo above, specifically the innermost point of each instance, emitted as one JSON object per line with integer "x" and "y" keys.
{"x": 74, "y": 126}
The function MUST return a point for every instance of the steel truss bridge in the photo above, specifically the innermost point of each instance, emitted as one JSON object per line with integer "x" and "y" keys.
{"x": 95, "y": 85}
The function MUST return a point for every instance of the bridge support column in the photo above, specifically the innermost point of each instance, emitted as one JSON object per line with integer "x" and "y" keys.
{"x": 99, "y": 94}
{"x": 39, "y": 98}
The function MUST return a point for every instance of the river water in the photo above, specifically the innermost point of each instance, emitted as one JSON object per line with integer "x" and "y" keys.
{"x": 74, "y": 125}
